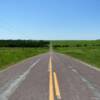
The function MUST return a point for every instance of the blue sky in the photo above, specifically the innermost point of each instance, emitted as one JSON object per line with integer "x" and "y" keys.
{"x": 50, "y": 19}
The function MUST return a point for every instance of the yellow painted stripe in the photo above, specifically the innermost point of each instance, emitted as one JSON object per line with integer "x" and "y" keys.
{"x": 50, "y": 65}
{"x": 51, "y": 92}
{"x": 57, "y": 90}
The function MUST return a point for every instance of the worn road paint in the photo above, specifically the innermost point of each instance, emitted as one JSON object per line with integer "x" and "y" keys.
{"x": 4, "y": 95}
{"x": 57, "y": 90}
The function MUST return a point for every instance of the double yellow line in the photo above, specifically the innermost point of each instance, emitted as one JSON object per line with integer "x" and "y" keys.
{"x": 51, "y": 86}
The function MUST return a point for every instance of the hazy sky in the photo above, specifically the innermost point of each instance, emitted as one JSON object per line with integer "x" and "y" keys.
{"x": 49, "y": 19}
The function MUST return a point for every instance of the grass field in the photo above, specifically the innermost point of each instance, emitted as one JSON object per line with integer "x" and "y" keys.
{"x": 10, "y": 56}
{"x": 76, "y": 43}
{"x": 90, "y": 52}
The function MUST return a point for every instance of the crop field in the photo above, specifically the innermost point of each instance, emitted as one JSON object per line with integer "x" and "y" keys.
{"x": 87, "y": 51}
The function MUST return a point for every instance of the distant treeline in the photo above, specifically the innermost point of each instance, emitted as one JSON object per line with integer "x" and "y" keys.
{"x": 76, "y": 43}
{"x": 23, "y": 43}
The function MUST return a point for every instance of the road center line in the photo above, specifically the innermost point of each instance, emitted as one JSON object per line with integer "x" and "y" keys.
{"x": 57, "y": 90}
{"x": 51, "y": 91}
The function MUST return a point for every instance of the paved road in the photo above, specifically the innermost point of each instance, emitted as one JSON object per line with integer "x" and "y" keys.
{"x": 50, "y": 76}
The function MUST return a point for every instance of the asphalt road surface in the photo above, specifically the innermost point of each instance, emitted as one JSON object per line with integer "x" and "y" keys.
{"x": 50, "y": 76}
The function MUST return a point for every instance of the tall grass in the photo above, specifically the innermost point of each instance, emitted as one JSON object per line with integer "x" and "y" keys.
{"x": 89, "y": 53}
{"x": 76, "y": 43}
{"x": 12, "y": 55}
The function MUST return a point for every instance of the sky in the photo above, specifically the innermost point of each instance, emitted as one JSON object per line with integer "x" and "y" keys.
{"x": 50, "y": 19}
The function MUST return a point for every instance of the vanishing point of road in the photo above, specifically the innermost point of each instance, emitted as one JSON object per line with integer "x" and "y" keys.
{"x": 50, "y": 76}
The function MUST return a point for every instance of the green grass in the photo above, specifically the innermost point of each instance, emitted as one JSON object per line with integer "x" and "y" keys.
{"x": 10, "y": 56}
{"x": 87, "y": 51}
{"x": 76, "y": 43}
